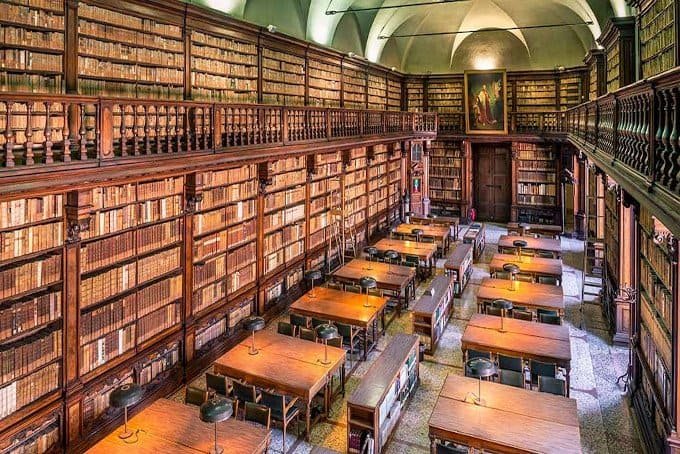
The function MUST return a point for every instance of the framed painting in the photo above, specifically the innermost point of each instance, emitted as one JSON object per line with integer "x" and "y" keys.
{"x": 486, "y": 102}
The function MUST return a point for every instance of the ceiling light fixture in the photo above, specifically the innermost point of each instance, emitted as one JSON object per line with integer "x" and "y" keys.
{"x": 378, "y": 8}
{"x": 271, "y": 28}
{"x": 485, "y": 30}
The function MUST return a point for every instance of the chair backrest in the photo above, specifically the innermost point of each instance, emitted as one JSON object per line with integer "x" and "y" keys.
{"x": 502, "y": 275}
{"x": 497, "y": 311}
{"x": 318, "y": 321}
{"x": 540, "y": 312}
{"x": 260, "y": 414}
{"x": 427, "y": 239}
{"x": 217, "y": 383}
{"x": 450, "y": 449}
{"x": 299, "y": 320}
{"x": 544, "y": 254}
{"x": 195, "y": 396}
{"x": 335, "y": 342}
{"x": 307, "y": 334}
{"x": 375, "y": 292}
{"x": 412, "y": 260}
{"x": 552, "y": 385}
{"x": 335, "y": 285}
{"x": 352, "y": 288}
{"x": 550, "y": 319}
{"x": 511, "y": 378}
{"x": 524, "y": 278}
{"x": 275, "y": 402}
{"x": 286, "y": 329}
{"x": 549, "y": 280}
{"x": 541, "y": 369}
{"x": 522, "y": 315}
{"x": 409, "y": 237}
{"x": 510, "y": 363}
{"x": 470, "y": 354}
{"x": 344, "y": 330}
{"x": 244, "y": 392}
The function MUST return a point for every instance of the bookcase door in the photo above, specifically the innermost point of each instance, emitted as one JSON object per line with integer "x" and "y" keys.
{"x": 492, "y": 182}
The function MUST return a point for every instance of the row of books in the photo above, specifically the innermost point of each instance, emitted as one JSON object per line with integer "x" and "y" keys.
{"x": 30, "y": 276}
{"x": 280, "y": 218}
{"x": 537, "y": 177}
{"x": 39, "y": 439}
{"x": 210, "y": 332}
{"x": 271, "y": 75}
{"x": 130, "y": 72}
{"x": 660, "y": 384}
{"x": 158, "y": 294}
{"x": 22, "y": 392}
{"x": 282, "y": 180}
{"x": 158, "y": 321}
{"x": 225, "y": 83}
{"x": 222, "y": 217}
{"x": 224, "y": 68}
{"x": 210, "y": 270}
{"x": 228, "y": 176}
{"x": 27, "y": 60}
{"x": 24, "y": 316}
{"x": 128, "y": 52}
{"x": 158, "y": 264}
{"x": 106, "y": 348}
{"x": 280, "y": 199}
{"x": 212, "y": 46}
{"x": 209, "y": 295}
{"x": 289, "y": 61}
{"x": 445, "y": 183}
{"x": 159, "y": 363}
{"x": 111, "y": 317}
{"x": 35, "y": 83}
{"x": 659, "y": 297}
{"x": 659, "y": 259}
{"x": 29, "y": 355}
{"x": 244, "y": 276}
{"x": 106, "y": 88}
{"x": 29, "y": 240}
{"x": 25, "y": 15}
{"x": 129, "y": 21}
{"x": 537, "y": 189}
{"x": 524, "y": 199}
{"x": 37, "y": 39}
{"x": 92, "y": 29}
{"x": 445, "y": 194}
{"x": 240, "y": 257}
{"x": 107, "y": 284}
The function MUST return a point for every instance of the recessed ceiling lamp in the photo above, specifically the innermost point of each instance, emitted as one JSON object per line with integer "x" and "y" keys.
{"x": 271, "y": 28}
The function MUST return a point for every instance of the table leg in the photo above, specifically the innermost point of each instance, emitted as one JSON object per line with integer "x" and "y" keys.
{"x": 568, "y": 369}
{"x": 365, "y": 343}
{"x": 308, "y": 419}
{"x": 382, "y": 316}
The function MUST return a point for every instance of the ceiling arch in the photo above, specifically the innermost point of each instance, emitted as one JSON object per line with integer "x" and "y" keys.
{"x": 362, "y": 32}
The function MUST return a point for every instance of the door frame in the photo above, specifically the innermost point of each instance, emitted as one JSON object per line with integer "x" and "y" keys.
{"x": 475, "y": 147}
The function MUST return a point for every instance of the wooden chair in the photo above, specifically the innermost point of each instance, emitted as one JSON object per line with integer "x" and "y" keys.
{"x": 524, "y": 278}
{"x": 540, "y": 312}
{"x": 258, "y": 414}
{"x": 352, "y": 288}
{"x": 286, "y": 329}
{"x": 448, "y": 448}
{"x": 427, "y": 239}
{"x": 548, "y": 280}
{"x": 195, "y": 396}
{"x": 351, "y": 339}
{"x": 318, "y": 321}
{"x": 552, "y": 385}
{"x": 497, "y": 311}
{"x": 335, "y": 285}
{"x": 550, "y": 319}
{"x": 511, "y": 378}
{"x": 307, "y": 334}
{"x": 219, "y": 384}
{"x": 470, "y": 354}
{"x": 522, "y": 315}
{"x": 376, "y": 292}
{"x": 299, "y": 321}
{"x": 545, "y": 254}
{"x": 283, "y": 410}
{"x": 244, "y": 393}
{"x": 538, "y": 368}
{"x": 511, "y": 363}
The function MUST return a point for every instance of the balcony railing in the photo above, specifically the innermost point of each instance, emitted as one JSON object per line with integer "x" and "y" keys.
{"x": 37, "y": 131}
{"x": 636, "y": 127}
{"x": 518, "y": 122}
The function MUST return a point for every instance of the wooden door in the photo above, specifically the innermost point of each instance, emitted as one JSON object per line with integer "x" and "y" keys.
{"x": 493, "y": 183}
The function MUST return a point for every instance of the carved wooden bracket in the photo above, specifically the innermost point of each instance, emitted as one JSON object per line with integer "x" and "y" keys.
{"x": 192, "y": 203}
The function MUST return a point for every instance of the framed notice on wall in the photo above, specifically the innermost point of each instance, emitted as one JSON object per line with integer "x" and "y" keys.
{"x": 486, "y": 102}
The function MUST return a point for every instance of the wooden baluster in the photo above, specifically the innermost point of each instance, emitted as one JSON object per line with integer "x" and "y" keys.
{"x": 645, "y": 146}
{"x": 66, "y": 133}
{"x": 260, "y": 124}
{"x": 157, "y": 129}
{"x": 9, "y": 135}
{"x": 123, "y": 131}
{"x": 179, "y": 130}
{"x": 82, "y": 133}
{"x": 249, "y": 125}
{"x": 49, "y": 158}
{"x": 29, "y": 134}
{"x": 188, "y": 130}
{"x": 147, "y": 130}
{"x": 243, "y": 124}
{"x": 663, "y": 155}
{"x": 168, "y": 129}
{"x": 205, "y": 124}
{"x": 673, "y": 139}
{"x": 637, "y": 132}
{"x": 135, "y": 130}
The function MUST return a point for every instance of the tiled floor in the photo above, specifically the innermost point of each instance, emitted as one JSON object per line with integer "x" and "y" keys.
{"x": 606, "y": 424}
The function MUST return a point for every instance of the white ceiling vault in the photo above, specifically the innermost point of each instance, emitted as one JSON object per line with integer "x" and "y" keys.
{"x": 481, "y": 39}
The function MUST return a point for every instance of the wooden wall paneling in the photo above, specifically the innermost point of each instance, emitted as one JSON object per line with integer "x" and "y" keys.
{"x": 71, "y": 47}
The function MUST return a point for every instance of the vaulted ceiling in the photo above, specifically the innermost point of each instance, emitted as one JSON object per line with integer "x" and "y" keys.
{"x": 481, "y": 39}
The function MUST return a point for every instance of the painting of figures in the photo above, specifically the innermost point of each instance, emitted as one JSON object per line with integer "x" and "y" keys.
{"x": 485, "y": 102}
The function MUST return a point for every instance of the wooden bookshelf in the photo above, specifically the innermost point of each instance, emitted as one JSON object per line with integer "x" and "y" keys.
{"x": 282, "y": 289}
{"x": 447, "y": 178}
{"x": 284, "y": 214}
{"x": 612, "y": 250}
{"x": 535, "y": 95}
{"x": 131, "y": 269}
{"x": 458, "y": 265}
{"x": 378, "y": 190}
{"x": 476, "y": 236}
{"x": 415, "y": 95}
{"x": 374, "y": 408}
{"x": 223, "y": 69}
{"x": 325, "y": 82}
{"x": 377, "y": 92}
{"x": 445, "y": 96}
{"x": 225, "y": 236}
{"x": 125, "y": 54}
{"x": 432, "y": 310}
{"x": 657, "y": 34}
{"x": 354, "y": 86}
{"x": 595, "y": 64}
{"x": 536, "y": 194}
{"x": 325, "y": 203}
{"x": 32, "y": 46}
{"x": 31, "y": 300}
{"x": 354, "y": 195}
{"x": 653, "y": 382}
{"x": 394, "y": 186}
{"x": 283, "y": 78}
{"x": 617, "y": 38}
{"x": 393, "y": 94}
{"x": 570, "y": 90}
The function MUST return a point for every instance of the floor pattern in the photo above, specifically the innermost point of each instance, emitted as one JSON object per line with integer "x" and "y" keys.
{"x": 605, "y": 418}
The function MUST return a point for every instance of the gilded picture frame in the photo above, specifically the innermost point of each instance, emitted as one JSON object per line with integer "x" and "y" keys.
{"x": 486, "y": 101}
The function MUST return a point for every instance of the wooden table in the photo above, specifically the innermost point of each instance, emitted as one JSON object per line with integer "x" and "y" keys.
{"x": 534, "y": 245}
{"x": 440, "y": 234}
{"x": 529, "y": 340}
{"x": 396, "y": 278}
{"x": 425, "y": 251}
{"x": 532, "y": 266}
{"x": 167, "y": 426}
{"x": 343, "y": 307}
{"x": 511, "y": 420}
{"x": 450, "y": 221}
{"x": 552, "y": 231}
{"x": 287, "y": 364}
{"x": 530, "y": 295}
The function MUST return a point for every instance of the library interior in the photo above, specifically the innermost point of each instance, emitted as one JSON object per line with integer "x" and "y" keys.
{"x": 339, "y": 226}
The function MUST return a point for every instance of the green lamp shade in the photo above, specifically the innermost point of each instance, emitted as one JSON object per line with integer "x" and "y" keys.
{"x": 519, "y": 243}
{"x": 126, "y": 395}
{"x": 326, "y": 331}
{"x": 502, "y": 304}
{"x": 391, "y": 255}
{"x": 480, "y": 367}
{"x": 371, "y": 250}
{"x": 216, "y": 409}
{"x": 367, "y": 282}
{"x": 253, "y": 323}
{"x": 313, "y": 275}
{"x": 511, "y": 268}
{"x": 417, "y": 231}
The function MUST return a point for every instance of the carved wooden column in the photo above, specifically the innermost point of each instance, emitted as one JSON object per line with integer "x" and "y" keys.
{"x": 580, "y": 190}
{"x": 597, "y": 78}
{"x": 405, "y": 199}
{"x": 78, "y": 207}
{"x": 71, "y": 47}
{"x": 514, "y": 154}
{"x": 193, "y": 196}
{"x": 265, "y": 179}
{"x": 426, "y": 177}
